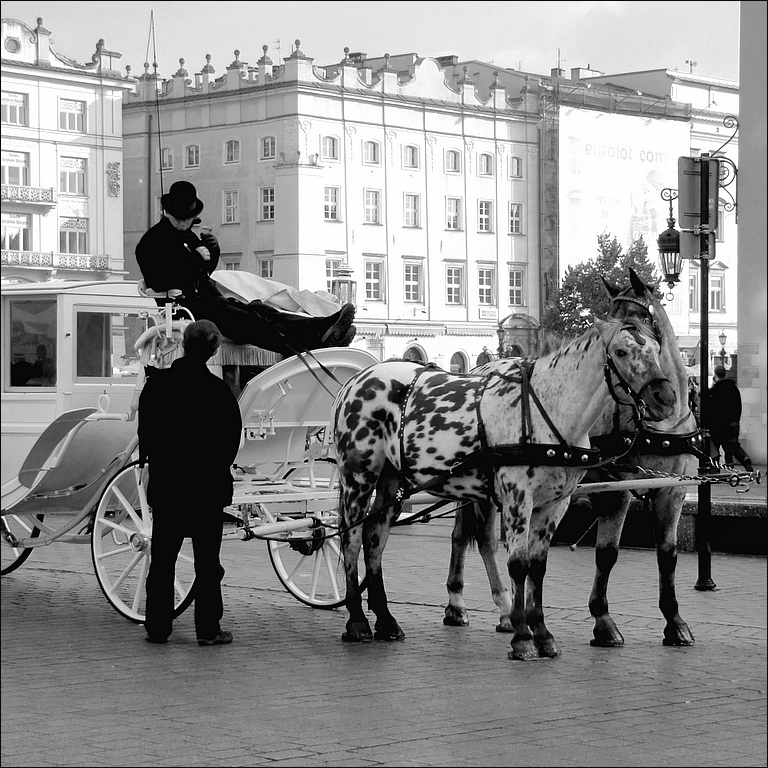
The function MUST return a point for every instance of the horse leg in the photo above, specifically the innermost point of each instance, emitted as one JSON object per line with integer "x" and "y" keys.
{"x": 667, "y": 505}
{"x": 612, "y": 511}
{"x": 456, "y": 610}
{"x": 375, "y": 533}
{"x": 358, "y": 630}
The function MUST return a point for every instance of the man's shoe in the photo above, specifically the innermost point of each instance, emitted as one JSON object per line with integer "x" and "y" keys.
{"x": 158, "y": 640}
{"x": 340, "y": 327}
{"x": 222, "y": 638}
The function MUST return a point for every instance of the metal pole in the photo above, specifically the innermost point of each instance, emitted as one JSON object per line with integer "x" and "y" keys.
{"x": 704, "y": 516}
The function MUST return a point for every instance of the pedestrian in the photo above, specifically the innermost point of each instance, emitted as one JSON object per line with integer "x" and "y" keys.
{"x": 172, "y": 256}
{"x": 189, "y": 433}
{"x": 693, "y": 396}
{"x": 484, "y": 357}
{"x": 723, "y": 416}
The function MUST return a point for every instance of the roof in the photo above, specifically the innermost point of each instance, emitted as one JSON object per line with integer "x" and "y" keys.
{"x": 120, "y": 288}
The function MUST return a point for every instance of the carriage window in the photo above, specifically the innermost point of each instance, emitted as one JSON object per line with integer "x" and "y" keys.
{"x": 105, "y": 342}
{"x": 32, "y": 324}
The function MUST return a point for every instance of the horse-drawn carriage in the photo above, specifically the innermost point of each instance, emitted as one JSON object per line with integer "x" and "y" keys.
{"x": 70, "y": 470}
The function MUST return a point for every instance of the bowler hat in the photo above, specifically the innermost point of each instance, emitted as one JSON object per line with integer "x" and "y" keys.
{"x": 182, "y": 201}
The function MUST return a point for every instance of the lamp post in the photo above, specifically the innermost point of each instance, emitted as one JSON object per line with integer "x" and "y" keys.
{"x": 722, "y": 338}
{"x": 343, "y": 287}
{"x": 671, "y": 265}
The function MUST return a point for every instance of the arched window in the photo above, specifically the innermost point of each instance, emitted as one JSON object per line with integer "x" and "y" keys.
{"x": 232, "y": 151}
{"x": 452, "y": 161}
{"x": 372, "y": 153}
{"x": 330, "y": 148}
{"x": 458, "y": 363}
{"x": 415, "y": 355}
{"x": 192, "y": 156}
{"x": 516, "y": 167}
{"x": 410, "y": 156}
{"x": 166, "y": 159}
{"x": 485, "y": 164}
{"x": 268, "y": 148}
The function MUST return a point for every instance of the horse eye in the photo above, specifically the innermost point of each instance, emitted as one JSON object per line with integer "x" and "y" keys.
{"x": 620, "y": 353}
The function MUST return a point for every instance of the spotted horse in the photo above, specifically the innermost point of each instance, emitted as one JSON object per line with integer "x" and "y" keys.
{"x": 669, "y": 446}
{"x": 400, "y": 427}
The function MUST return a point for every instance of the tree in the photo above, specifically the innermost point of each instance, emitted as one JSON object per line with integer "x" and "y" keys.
{"x": 582, "y": 293}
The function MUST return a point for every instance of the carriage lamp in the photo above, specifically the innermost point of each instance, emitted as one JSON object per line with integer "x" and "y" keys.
{"x": 669, "y": 247}
{"x": 343, "y": 287}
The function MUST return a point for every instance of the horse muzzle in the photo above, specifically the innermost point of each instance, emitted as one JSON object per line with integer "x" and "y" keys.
{"x": 659, "y": 398}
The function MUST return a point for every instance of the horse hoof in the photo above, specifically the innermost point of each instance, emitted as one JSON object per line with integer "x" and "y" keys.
{"x": 348, "y": 637}
{"x": 678, "y": 635}
{"x": 607, "y": 639}
{"x": 504, "y": 627}
{"x": 548, "y": 649}
{"x": 455, "y": 619}
{"x": 523, "y": 650}
{"x": 678, "y": 641}
{"x": 393, "y": 634}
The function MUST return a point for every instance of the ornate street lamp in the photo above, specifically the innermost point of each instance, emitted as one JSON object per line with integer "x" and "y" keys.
{"x": 722, "y": 338}
{"x": 343, "y": 287}
{"x": 669, "y": 247}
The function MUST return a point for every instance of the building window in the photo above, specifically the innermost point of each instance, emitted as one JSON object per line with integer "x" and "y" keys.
{"x": 693, "y": 291}
{"x": 452, "y": 161}
{"x": 105, "y": 344}
{"x": 73, "y": 236}
{"x": 411, "y": 211}
{"x": 266, "y": 268}
{"x": 16, "y": 168}
{"x": 166, "y": 159}
{"x": 231, "y": 206}
{"x": 486, "y": 289}
{"x": 14, "y": 108}
{"x": 454, "y": 285}
{"x": 516, "y": 287}
{"x": 331, "y": 204}
{"x": 372, "y": 200}
{"x": 372, "y": 153}
{"x": 267, "y": 203}
{"x": 515, "y": 218}
{"x": 329, "y": 148}
{"x": 410, "y": 157}
{"x": 412, "y": 282}
{"x": 716, "y": 285}
{"x": 192, "y": 156}
{"x": 16, "y": 232}
{"x": 32, "y": 337}
{"x": 231, "y": 266}
{"x": 374, "y": 280}
{"x": 515, "y": 167}
{"x": 485, "y": 165}
{"x": 232, "y": 152}
{"x": 268, "y": 148}
{"x": 71, "y": 116}
{"x": 720, "y": 234}
{"x": 72, "y": 175}
{"x": 331, "y": 271}
{"x": 484, "y": 216}
{"x": 453, "y": 213}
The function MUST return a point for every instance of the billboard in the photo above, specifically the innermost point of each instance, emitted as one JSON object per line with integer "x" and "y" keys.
{"x": 612, "y": 170}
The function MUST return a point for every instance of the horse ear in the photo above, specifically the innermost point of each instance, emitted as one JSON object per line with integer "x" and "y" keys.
{"x": 601, "y": 325}
{"x": 637, "y": 284}
{"x": 611, "y": 290}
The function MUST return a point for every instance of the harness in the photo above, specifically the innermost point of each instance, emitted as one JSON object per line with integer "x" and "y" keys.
{"x": 526, "y": 452}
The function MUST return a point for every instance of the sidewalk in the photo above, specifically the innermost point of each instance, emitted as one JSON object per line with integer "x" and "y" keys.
{"x": 80, "y": 687}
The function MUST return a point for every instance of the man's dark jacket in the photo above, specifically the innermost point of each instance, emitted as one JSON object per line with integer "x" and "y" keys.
{"x": 189, "y": 431}
{"x": 724, "y": 403}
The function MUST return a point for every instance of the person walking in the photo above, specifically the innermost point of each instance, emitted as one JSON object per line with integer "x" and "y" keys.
{"x": 484, "y": 357}
{"x": 189, "y": 434}
{"x": 724, "y": 416}
{"x": 173, "y": 257}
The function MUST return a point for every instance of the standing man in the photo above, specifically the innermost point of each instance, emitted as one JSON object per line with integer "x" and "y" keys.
{"x": 724, "y": 414}
{"x": 189, "y": 432}
{"x": 484, "y": 357}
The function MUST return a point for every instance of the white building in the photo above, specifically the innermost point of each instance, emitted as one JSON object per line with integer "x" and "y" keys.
{"x": 62, "y": 187}
{"x": 426, "y": 191}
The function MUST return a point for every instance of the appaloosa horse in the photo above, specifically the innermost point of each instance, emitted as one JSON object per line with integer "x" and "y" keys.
{"x": 400, "y": 426}
{"x": 669, "y": 446}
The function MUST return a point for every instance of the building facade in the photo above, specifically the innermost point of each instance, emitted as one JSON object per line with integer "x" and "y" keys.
{"x": 62, "y": 186}
{"x": 426, "y": 192}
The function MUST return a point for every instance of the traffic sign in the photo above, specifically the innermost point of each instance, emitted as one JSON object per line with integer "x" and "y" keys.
{"x": 689, "y": 183}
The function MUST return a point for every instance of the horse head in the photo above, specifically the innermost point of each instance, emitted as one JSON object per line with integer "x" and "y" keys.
{"x": 640, "y": 303}
{"x": 633, "y": 362}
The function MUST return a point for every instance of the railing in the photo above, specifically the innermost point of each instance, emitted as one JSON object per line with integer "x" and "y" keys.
{"x": 50, "y": 260}
{"x": 17, "y": 194}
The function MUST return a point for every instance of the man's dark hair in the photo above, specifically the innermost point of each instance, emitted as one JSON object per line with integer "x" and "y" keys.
{"x": 201, "y": 340}
{"x": 720, "y": 371}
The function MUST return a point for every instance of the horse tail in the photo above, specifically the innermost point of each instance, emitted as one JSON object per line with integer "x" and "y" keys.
{"x": 469, "y": 525}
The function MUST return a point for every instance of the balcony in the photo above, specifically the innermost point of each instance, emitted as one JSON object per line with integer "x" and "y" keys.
{"x": 50, "y": 260}
{"x": 34, "y": 195}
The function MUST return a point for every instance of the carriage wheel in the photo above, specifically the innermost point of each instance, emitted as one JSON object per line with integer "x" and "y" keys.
{"x": 121, "y": 547}
{"x": 312, "y": 568}
{"x": 19, "y": 527}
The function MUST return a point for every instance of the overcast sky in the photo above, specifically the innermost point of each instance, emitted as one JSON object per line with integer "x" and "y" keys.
{"x": 609, "y": 36}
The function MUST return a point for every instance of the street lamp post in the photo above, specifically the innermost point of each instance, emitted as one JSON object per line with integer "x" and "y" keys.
{"x": 671, "y": 265}
{"x": 722, "y": 338}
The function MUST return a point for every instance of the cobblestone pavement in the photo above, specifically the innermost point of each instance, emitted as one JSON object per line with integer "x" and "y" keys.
{"x": 80, "y": 686}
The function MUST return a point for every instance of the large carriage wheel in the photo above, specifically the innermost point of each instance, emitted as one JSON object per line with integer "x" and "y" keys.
{"x": 121, "y": 545}
{"x": 18, "y": 527}
{"x": 310, "y": 566}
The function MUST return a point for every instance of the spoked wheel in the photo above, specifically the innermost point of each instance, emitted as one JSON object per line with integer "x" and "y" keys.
{"x": 310, "y": 566}
{"x": 121, "y": 545}
{"x": 15, "y": 528}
